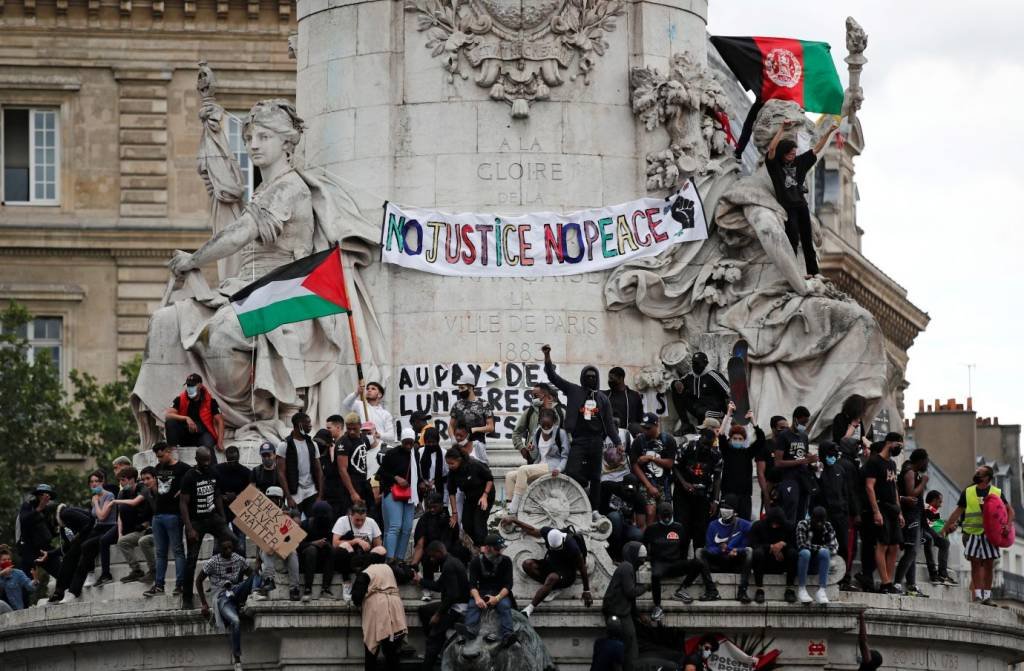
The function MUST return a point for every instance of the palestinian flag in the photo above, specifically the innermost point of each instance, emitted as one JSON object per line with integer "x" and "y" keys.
{"x": 305, "y": 289}
{"x": 785, "y": 69}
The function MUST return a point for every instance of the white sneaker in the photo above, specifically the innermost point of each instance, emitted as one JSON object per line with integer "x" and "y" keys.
{"x": 90, "y": 580}
{"x": 427, "y": 596}
{"x": 595, "y": 516}
{"x": 69, "y": 598}
{"x": 346, "y": 593}
{"x": 822, "y": 597}
{"x": 803, "y": 596}
{"x": 552, "y": 595}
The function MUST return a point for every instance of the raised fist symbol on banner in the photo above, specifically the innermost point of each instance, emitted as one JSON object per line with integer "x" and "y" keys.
{"x": 682, "y": 211}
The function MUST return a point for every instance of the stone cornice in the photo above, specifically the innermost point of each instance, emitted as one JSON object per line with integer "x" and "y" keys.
{"x": 24, "y": 241}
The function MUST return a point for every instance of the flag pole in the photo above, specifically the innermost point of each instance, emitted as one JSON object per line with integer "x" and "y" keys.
{"x": 355, "y": 339}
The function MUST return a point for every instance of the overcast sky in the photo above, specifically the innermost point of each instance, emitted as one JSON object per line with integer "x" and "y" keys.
{"x": 940, "y": 179}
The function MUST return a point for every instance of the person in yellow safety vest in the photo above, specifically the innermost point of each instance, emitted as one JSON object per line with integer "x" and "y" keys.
{"x": 977, "y": 548}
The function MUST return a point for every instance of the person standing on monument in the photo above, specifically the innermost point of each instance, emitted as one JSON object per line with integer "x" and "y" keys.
{"x": 788, "y": 171}
{"x": 544, "y": 396}
{"x": 792, "y": 461}
{"x": 350, "y": 458}
{"x": 837, "y": 494}
{"x": 619, "y": 602}
{"x": 701, "y": 393}
{"x": 474, "y": 480}
{"x": 373, "y": 412}
{"x": 201, "y": 506}
{"x": 698, "y": 480}
{"x": 883, "y": 500}
{"x": 980, "y": 552}
{"x": 627, "y": 404}
{"x": 167, "y": 517}
{"x": 232, "y": 478}
{"x": 453, "y": 587}
{"x": 912, "y": 485}
{"x": 471, "y": 412}
{"x": 299, "y": 466}
{"x": 738, "y": 455}
{"x": 399, "y": 485}
{"x": 937, "y": 573}
{"x": 652, "y": 457}
{"x": 194, "y": 418}
{"x": 588, "y": 420}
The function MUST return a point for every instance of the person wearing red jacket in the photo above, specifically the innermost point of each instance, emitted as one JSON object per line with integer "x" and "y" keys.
{"x": 194, "y": 418}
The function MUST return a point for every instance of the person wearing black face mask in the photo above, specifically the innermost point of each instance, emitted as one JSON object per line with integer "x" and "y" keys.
{"x": 666, "y": 548}
{"x": 588, "y": 421}
{"x": 701, "y": 393}
{"x": 883, "y": 499}
{"x": 619, "y": 602}
{"x": 792, "y": 458}
{"x": 202, "y": 513}
{"x": 912, "y": 484}
{"x": 316, "y": 551}
{"x": 698, "y": 476}
{"x": 471, "y": 412}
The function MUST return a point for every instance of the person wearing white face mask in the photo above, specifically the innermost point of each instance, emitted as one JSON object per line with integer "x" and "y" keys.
{"x": 738, "y": 455}
{"x": 838, "y": 495}
{"x": 194, "y": 418}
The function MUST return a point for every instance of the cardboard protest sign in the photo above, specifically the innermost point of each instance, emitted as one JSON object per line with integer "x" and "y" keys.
{"x": 267, "y": 525}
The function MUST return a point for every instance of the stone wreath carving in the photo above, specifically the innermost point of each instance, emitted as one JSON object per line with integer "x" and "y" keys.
{"x": 518, "y": 50}
{"x": 691, "y": 105}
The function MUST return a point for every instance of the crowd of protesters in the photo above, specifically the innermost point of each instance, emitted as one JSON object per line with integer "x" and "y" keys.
{"x": 383, "y": 507}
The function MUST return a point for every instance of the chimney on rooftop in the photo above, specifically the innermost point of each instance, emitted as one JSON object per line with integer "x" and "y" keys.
{"x": 970, "y": 403}
{"x": 920, "y": 405}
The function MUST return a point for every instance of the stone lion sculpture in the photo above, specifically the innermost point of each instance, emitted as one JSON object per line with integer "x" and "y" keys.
{"x": 809, "y": 343}
{"x": 484, "y": 653}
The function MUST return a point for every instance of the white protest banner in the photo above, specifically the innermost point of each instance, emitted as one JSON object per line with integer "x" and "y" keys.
{"x": 266, "y": 524}
{"x": 541, "y": 243}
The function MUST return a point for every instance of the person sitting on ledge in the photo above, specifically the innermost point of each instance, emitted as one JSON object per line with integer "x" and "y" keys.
{"x": 771, "y": 540}
{"x": 565, "y": 557}
{"x": 666, "y": 547}
{"x": 815, "y": 542}
{"x": 194, "y": 418}
{"x": 725, "y": 549}
{"x": 490, "y": 587}
{"x": 354, "y": 534}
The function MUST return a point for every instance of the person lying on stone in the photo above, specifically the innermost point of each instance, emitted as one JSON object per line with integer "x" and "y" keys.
{"x": 565, "y": 556}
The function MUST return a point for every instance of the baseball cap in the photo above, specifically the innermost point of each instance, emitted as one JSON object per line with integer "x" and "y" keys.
{"x": 43, "y": 488}
{"x": 649, "y": 419}
{"x": 275, "y": 491}
{"x": 494, "y": 541}
{"x": 556, "y": 539}
{"x": 710, "y": 423}
{"x": 367, "y": 426}
{"x": 420, "y": 416}
{"x": 267, "y": 448}
{"x": 193, "y": 379}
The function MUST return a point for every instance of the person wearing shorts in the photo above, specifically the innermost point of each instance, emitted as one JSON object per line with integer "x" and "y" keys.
{"x": 558, "y": 568}
{"x": 880, "y": 484}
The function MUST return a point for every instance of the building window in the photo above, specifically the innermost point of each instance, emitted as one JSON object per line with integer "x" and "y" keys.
{"x": 44, "y": 334}
{"x": 29, "y": 151}
{"x": 250, "y": 173}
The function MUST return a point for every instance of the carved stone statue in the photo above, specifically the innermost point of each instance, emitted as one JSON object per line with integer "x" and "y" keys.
{"x": 484, "y": 653}
{"x": 558, "y": 502}
{"x": 259, "y": 382}
{"x": 809, "y": 343}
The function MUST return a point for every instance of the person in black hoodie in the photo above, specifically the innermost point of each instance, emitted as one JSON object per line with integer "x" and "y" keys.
{"x": 589, "y": 419}
{"x": 75, "y": 524}
{"x": 433, "y": 470}
{"x": 627, "y": 404}
{"x": 316, "y": 551}
{"x": 619, "y": 602}
{"x": 37, "y": 531}
{"x": 232, "y": 478}
{"x": 774, "y": 543}
{"x": 837, "y": 494}
{"x": 437, "y": 618}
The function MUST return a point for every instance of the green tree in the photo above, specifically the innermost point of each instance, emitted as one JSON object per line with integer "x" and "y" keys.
{"x": 39, "y": 420}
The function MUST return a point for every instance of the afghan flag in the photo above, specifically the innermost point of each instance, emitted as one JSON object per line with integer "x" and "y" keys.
{"x": 785, "y": 69}
{"x": 305, "y": 289}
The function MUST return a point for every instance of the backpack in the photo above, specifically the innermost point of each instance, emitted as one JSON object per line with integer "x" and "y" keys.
{"x": 578, "y": 537}
{"x": 558, "y": 439}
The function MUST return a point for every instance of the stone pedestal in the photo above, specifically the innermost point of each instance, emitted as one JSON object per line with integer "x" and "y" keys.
{"x": 385, "y": 114}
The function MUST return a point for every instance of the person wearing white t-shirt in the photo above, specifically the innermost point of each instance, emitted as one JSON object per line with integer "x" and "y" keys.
{"x": 373, "y": 411}
{"x": 354, "y": 534}
{"x": 299, "y": 466}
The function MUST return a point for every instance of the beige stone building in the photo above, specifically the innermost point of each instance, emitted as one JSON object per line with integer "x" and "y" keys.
{"x": 98, "y": 139}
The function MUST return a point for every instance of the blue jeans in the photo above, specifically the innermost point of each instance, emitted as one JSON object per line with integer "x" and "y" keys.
{"x": 473, "y": 615}
{"x": 229, "y": 607}
{"x": 167, "y": 532}
{"x": 398, "y": 520}
{"x": 803, "y": 564}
